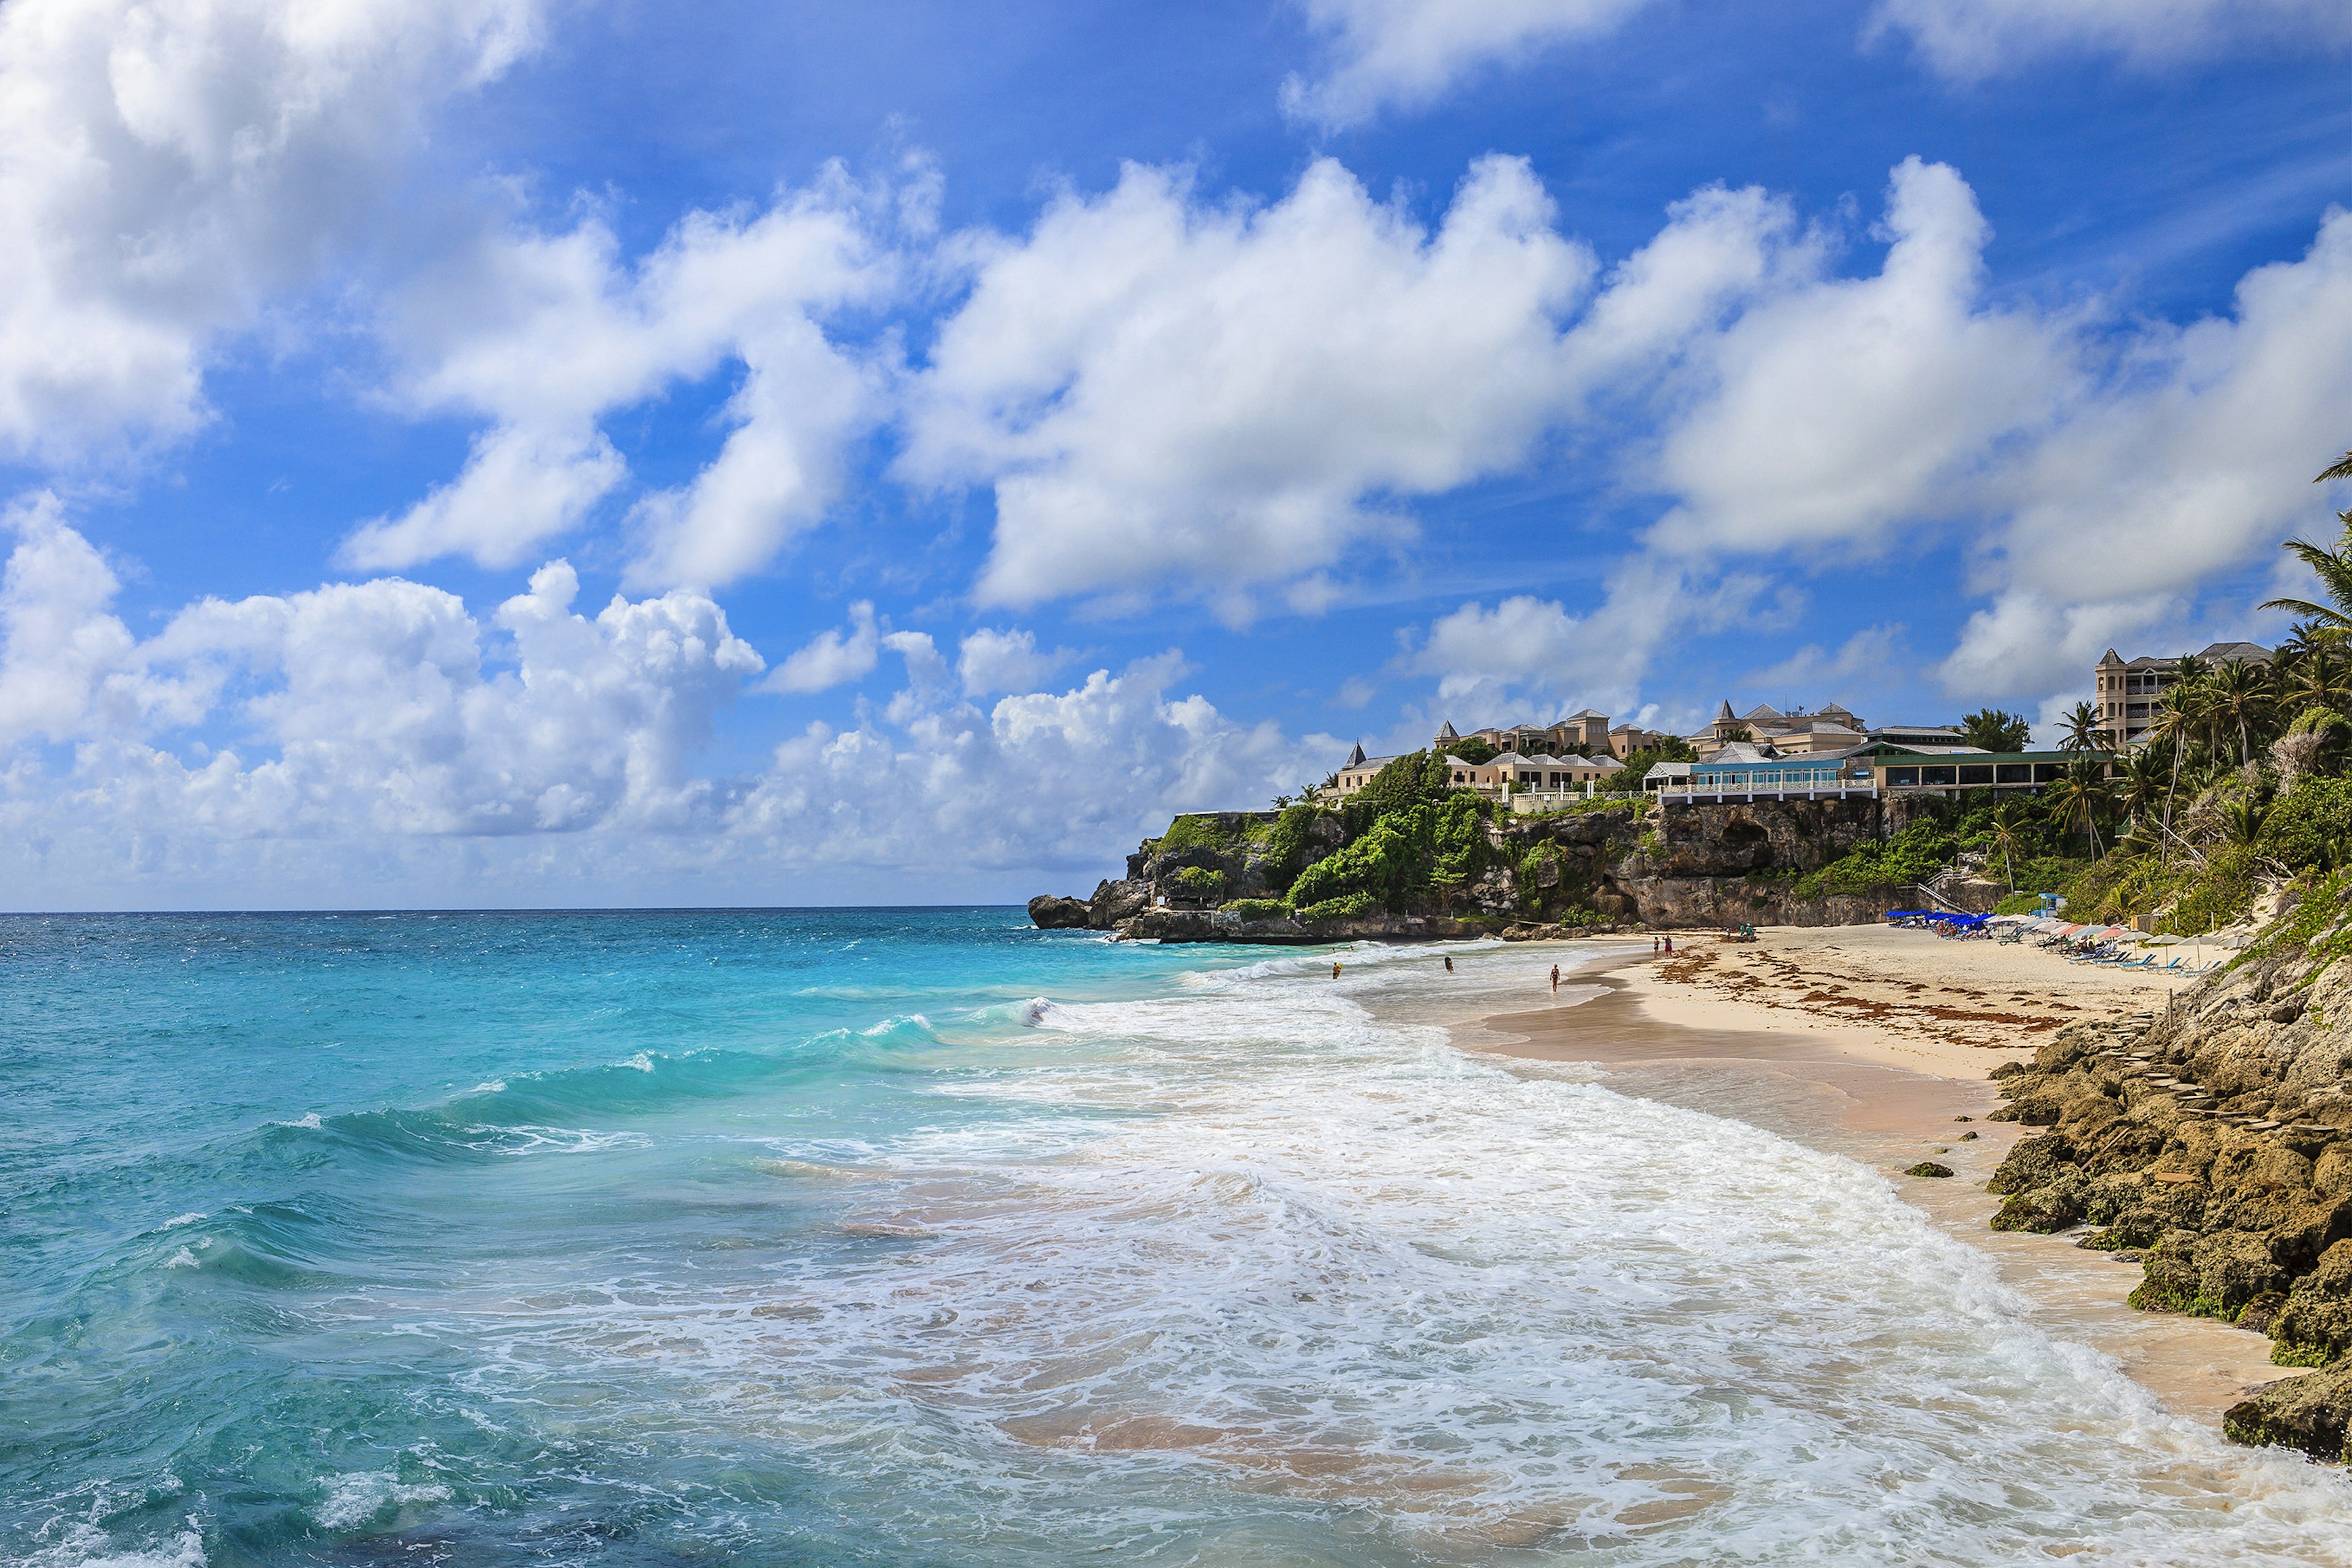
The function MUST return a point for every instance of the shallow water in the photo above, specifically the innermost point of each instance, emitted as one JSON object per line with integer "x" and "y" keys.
{"x": 917, "y": 1236}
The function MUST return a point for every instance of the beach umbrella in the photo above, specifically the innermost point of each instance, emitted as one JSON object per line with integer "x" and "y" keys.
{"x": 2167, "y": 939}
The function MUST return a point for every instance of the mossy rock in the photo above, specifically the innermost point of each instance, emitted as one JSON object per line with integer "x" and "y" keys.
{"x": 2309, "y": 1414}
{"x": 2314, "y": 1325}
{"x": 1929, "y": 1168}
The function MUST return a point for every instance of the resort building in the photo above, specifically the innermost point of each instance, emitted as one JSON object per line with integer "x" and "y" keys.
{"x": 1627, "y": 739}
{"x": 1585, "y": 731}
{"x": 2130, "y": 690}
{"x": 1744, "y": 772}
{"x": 1513, "y": 771}
{"x": 1830, "y": 727}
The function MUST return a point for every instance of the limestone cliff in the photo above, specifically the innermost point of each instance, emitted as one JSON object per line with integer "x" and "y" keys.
{"x": 1610, "y": 864}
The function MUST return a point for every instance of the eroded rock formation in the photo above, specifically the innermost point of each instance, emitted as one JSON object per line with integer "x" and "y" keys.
{"x": 2214, "y": 1142}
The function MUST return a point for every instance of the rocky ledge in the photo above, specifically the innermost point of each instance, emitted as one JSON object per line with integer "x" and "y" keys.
{"x": 2213, "y": 1143}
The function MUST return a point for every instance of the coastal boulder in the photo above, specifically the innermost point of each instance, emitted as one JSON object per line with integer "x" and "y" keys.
{"x": 1116, "y": 901}
{"x": 2315, "y": 1324}
{"x": 2309, "y": 1413}
{"x": 1049, "y": 913}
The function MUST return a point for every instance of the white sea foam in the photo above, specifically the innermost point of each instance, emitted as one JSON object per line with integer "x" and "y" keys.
{"x": 358, "y": 1497}
{"x": 1248, "y": 1241}
{"x": 642, "y": 1062}
{"x": 178, "y": 1220}
{"x": 183, "y": 1259}
{"x": 84, "y": 1545}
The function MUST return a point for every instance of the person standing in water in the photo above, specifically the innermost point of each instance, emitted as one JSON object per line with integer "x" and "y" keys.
{"x": 1335, "y": 969}
{"x": 1555, "y": 979}
{"x": 1449, "y": 963}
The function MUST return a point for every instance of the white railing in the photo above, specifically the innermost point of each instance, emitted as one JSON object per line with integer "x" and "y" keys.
{"x": 1715, "y": 795}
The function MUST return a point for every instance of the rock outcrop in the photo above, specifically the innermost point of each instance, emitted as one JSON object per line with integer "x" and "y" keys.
{"x": 2213, "y": 1141}
{"x": 1048, "y": 912}
{"x": 1625, "y": 863}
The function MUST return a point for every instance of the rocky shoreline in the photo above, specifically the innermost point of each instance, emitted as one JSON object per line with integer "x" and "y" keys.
{"x": 2211, "y": 1141}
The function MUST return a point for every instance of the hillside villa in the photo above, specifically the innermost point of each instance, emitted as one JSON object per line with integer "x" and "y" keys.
{"x": 2129, "y": 693}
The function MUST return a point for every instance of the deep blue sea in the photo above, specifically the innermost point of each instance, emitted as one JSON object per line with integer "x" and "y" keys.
{"x": 921, "y": 1236}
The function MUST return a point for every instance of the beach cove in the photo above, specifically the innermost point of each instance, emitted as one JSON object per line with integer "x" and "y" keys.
{"x": 1876, "y": 1044}
{"x": 865, "y": 1237}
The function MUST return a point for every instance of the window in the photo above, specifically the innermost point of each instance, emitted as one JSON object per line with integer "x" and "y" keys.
{"x": 2045, "y": 772}
{"x": 1902, "y": 778}
{"x": 2012, "y": 773}
{"x": 1976, "y": 773}
{"x": 1941, "y": 774}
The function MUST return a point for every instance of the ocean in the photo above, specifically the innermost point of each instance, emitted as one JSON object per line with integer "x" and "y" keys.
{"x": 921, "y": 1236}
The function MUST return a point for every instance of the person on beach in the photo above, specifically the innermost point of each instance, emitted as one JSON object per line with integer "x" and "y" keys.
{"x": 1670, "y": 945}
{"x": 1555, "y": 979}
{"x": 1653, "y": 947}
{"x": 1335, "y": 969}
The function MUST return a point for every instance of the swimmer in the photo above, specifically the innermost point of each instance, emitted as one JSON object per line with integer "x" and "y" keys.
{"x": 1335, "y": 969}
{"x": 1449, "y": 963}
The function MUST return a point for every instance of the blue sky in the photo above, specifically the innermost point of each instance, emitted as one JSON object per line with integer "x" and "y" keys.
{"x": 485, "y": 452}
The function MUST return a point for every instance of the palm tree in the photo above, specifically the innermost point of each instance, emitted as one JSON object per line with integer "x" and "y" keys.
{"x": 2143, "y": 782}
{"x": 2008, "y": 820}
{"x": 2083, "y": 733}
{"x": 2242, "y": 819}
{"x": 2319, "y": 679}
{"x": 2330, "y": 622}
{"x": 2241, "y": 696}
{"x": 2175, "y": 720}
{"x": 2079, "y": 793}
{"x": 2337, "y": 470}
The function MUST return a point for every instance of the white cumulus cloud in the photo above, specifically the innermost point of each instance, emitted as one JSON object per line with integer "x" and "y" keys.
{"x": 1408, "y": 53}
{"x": 995, "y": 660}
{"x": 1165, "y": 393}
{"x": 546, "y": 335}
{"x": 1970, "y": 39}
{"x": 1836, "y": 411}
{"x": 164, "y": 169}
{"x": 833, "y": 656}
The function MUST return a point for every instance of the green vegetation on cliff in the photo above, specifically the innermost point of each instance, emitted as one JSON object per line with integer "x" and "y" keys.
{"x": 1411, "y": 838}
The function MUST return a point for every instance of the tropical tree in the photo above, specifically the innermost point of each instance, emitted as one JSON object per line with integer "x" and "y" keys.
{"x": 2078, "y": 795}
{"x": 2143, "y": 784}
{"x": 2008, "y": 822}
{"x": 2082, "y": 730}
{"x": 2175, "y": 720}
{"x": 2242, "y": 819}
{"x": 1994, "y": 730}
{"x": 2330, "y": 622}
{"x": 2239, "y": 695}
{"x": 2321, "y": 678}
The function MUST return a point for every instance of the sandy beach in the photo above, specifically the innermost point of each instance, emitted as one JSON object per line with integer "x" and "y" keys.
{"x": 1875, "y": 1044}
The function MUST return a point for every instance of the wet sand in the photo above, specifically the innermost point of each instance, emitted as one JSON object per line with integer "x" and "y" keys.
{"x": 1727, "y": 1032}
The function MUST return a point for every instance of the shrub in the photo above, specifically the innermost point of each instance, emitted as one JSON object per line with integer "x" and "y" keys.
{"x": 1425, "y": 847}
{"x": 2221, "y": 892}
{"x": 1258, "y": 908}
{"x": 1201, "y": 881}
{"x": 2018, "y": 904}
{"x": 1191, "y": 832}
{"x": 1914, "y": 855}
{"x": 1288, "y": 842}
{"x": 2311, "y": 827}
{"x": 1345, "y": 908}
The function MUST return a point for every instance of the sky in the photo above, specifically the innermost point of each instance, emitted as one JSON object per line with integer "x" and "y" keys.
{"x": 511, "y": 453}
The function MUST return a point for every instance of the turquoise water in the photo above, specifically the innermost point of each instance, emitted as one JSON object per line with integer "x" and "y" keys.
{"x": 922, "y": 1237}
